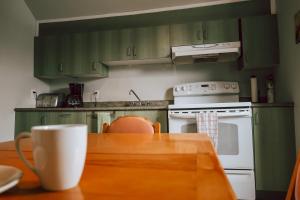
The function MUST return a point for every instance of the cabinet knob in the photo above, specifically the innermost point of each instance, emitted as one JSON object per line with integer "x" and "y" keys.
{"x": 134, "y": 51}
{"x": 205, "y": 32}
{"x": 43, "y": 121}
{"x": 94, "y": 68}
{"x": 60, "y": 69}
{"x": 128, "y": 51}
{"x": 199, "y": 34}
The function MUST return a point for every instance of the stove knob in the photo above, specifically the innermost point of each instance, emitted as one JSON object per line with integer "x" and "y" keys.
{"x": 233, "y": 86}
{"x": 176, "y": 89}
{"x": 182, "y": 88}
{"x": 226, "y": 86}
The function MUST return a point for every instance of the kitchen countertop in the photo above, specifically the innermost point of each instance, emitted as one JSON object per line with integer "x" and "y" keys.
{"x": 108, "y": 106}
{"x": 132, "y": 105}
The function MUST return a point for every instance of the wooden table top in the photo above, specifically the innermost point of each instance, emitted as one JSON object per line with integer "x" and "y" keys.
{"x": 135, "y": 167}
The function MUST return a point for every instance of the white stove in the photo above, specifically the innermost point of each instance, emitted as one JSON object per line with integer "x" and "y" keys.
{"x": 235, "y": 146}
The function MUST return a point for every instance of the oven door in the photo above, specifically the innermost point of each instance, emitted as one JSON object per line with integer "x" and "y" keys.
{"x": 235, "y": 146}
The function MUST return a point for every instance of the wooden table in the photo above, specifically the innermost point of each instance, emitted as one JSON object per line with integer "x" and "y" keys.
{"x": 134, "y": 166}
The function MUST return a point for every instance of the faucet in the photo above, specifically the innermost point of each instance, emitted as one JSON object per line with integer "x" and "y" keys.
{"x": 132, "y": 92}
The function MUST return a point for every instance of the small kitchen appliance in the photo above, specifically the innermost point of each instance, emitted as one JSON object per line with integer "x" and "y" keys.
{"x": 75, "y": 98}
{"x": 235, "y": 145}
{"x": 50, "y": 100}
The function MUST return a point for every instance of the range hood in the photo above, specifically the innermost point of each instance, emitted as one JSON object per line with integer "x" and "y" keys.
{"x": 219, "y": 52}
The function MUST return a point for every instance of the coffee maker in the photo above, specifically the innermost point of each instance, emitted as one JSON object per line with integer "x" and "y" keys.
{"x": 74, "y": 99}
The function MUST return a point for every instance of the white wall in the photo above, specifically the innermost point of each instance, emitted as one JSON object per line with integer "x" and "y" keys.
{"x": 155, "y": 82}
{"x": 16, "y": 63}
{"x": 288, "y": 74}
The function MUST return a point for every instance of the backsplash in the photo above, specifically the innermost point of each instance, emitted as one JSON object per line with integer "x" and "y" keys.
{"x": 155, "y": 82}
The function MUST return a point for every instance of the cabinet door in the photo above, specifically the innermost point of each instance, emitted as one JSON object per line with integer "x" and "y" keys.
{"x": 52, "y": 56}
{"x": 47, "y": 57}
{"x": 65, "y": 118}
{"x": 94, "y": 54}
{"x": 79, "y": 56}
{"x": 260, "y": 42}
{"x": 95, "y": 121}
{"x": 25, "y": 120}
{"x": 86, "y": 55}
{"x": 118, "y": 45}
{"x": 218, "y": 31}
{"x": 151, "y": 42}
{"x": 186, "y": 34}
{"x": 274, "y": 147}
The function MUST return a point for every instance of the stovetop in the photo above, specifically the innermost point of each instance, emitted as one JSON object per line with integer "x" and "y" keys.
{"x": 211, "y": 105}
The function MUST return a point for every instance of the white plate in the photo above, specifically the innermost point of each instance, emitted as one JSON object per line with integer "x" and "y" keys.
{"x": 9, "y": 177}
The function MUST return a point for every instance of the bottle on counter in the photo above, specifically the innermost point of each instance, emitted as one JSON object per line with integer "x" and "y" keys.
{"x": 254, "y": 93}
{"x": 270, "y": 89}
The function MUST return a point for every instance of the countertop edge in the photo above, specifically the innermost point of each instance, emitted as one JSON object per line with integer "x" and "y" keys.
{"x": 91, "y": 109}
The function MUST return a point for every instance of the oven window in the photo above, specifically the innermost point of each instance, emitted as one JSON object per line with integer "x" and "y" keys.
{"x": 228, "y": 141}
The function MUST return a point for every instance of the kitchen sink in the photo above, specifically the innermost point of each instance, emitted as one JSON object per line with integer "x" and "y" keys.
{"x": 138, "y": 103}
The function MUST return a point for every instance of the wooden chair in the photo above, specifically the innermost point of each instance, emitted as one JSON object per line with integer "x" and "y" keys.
{"x": 295, "y": 182}
{"x": 131, "y": 124}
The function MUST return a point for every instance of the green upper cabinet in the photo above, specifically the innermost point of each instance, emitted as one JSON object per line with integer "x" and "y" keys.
{"x": 151, "y": 42}
{"x": 260, "y": 42}
{"x": 118, "y": 45}
{"x": 75, "y": 55}
{"x": 186, "y": 34}
{"x": 274, "y": 147}
{"x": 221, "y": 31}
{"x": 87, "y": 54}
{"x": 52, "y": 56}
{"x": 136, "y": 43}
{"x": 206, "y": 32}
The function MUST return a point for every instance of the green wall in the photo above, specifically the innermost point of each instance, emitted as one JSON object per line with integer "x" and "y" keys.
{"x": 288, "y": 74}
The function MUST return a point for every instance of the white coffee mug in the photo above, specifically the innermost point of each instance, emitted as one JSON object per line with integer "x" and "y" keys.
{"x": 59, "y": 153}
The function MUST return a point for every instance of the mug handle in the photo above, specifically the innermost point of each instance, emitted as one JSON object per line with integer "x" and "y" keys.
{"x": 20, "y": 153}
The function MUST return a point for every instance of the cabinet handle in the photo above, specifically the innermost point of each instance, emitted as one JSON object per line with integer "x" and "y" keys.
{"x": 94, "y": 66}
{"x": 128, "y": 51}
{"x": 134, "y": 51}
{"x": 204, "y": 31}
{"x": 198, "y": 35}
{"x": 246, "y": 57}
{"x": 43, "y": 121}
{"x": 64, "y": 115}
{"x": 60, "y": 69}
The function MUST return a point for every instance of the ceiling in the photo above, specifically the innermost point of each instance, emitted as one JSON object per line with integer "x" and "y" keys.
{"x": 63, "y": 10}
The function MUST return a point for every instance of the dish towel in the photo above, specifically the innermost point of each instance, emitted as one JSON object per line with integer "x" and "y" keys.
{"x": 207, "y": 122}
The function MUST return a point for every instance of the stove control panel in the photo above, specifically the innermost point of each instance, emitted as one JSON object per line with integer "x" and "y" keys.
{"x": 206, "y": 88}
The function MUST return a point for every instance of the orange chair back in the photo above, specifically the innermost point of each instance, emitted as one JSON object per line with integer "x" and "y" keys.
{"x": 131, "y": 124}
{"x": 294, "y": 187}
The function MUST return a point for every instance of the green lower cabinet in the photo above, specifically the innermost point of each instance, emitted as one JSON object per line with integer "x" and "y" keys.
{"x": 52, "y": 118}
{"x": 95, "y": 121}
{"x": 152, "y": 115}
{"x": 274, "y": 147}
{"x": 25, "y": 120}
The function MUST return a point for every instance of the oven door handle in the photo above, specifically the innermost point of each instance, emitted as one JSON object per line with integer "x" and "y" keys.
{"x": 220, "y": 115}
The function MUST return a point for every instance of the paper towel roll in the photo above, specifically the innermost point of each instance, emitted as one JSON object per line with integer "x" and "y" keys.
{"x": 253, "y": 81}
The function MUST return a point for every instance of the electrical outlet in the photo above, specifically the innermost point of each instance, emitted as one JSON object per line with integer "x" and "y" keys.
{"x": 96, "y": 94}
{"x": 33, "y": 94}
